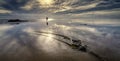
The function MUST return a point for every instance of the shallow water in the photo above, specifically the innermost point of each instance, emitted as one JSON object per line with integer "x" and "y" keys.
{"x": 35, "y": 41}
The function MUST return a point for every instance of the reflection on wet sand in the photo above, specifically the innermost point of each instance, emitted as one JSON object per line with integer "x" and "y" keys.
{"x": 17, "y": 44}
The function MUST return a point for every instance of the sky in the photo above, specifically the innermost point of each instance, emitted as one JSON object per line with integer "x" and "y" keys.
{"x": 72, "y": 9}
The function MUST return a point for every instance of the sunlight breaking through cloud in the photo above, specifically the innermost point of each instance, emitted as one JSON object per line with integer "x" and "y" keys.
{"x": 46, "y": 3}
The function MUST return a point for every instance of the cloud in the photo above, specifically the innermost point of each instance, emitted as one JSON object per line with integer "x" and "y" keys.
{"x": 97, "y": 6}
{"x": 59, "y": 6}
{"x": 13, "y": 4}
{"x": 27, "y": 6}
{"x": 2, "y": 11}
{"x": 104, "y": 14}
{"x": 39, "y": 5}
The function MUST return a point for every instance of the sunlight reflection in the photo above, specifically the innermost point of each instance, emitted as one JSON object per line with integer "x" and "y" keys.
{"x": 44, "y": 20}
{"x": 62, "y": 26}
{"x": 87, "y": 28}
{"x": 29, "y": 30}
{"x": 50, "y": 19}
{"x": 47, "y": 43}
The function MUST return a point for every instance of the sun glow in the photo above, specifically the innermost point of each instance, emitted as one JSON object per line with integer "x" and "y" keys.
{"x": 46, "y": 2}
{"x": 50, "y": 19}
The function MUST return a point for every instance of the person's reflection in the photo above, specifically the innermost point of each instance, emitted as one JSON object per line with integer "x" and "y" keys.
{"x": 46, "y": 20}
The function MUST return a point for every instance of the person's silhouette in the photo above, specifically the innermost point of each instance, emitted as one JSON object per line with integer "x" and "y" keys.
{"x": 46, "y": 20}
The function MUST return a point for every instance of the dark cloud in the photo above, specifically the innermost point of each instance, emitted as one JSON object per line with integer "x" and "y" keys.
{"x": 103, "y": 5}
{"x": 60, "y": 6}
{"x": 14, "y": 4}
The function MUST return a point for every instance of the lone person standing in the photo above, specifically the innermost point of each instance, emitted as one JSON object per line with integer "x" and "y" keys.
{"x": 46, "y": 20}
